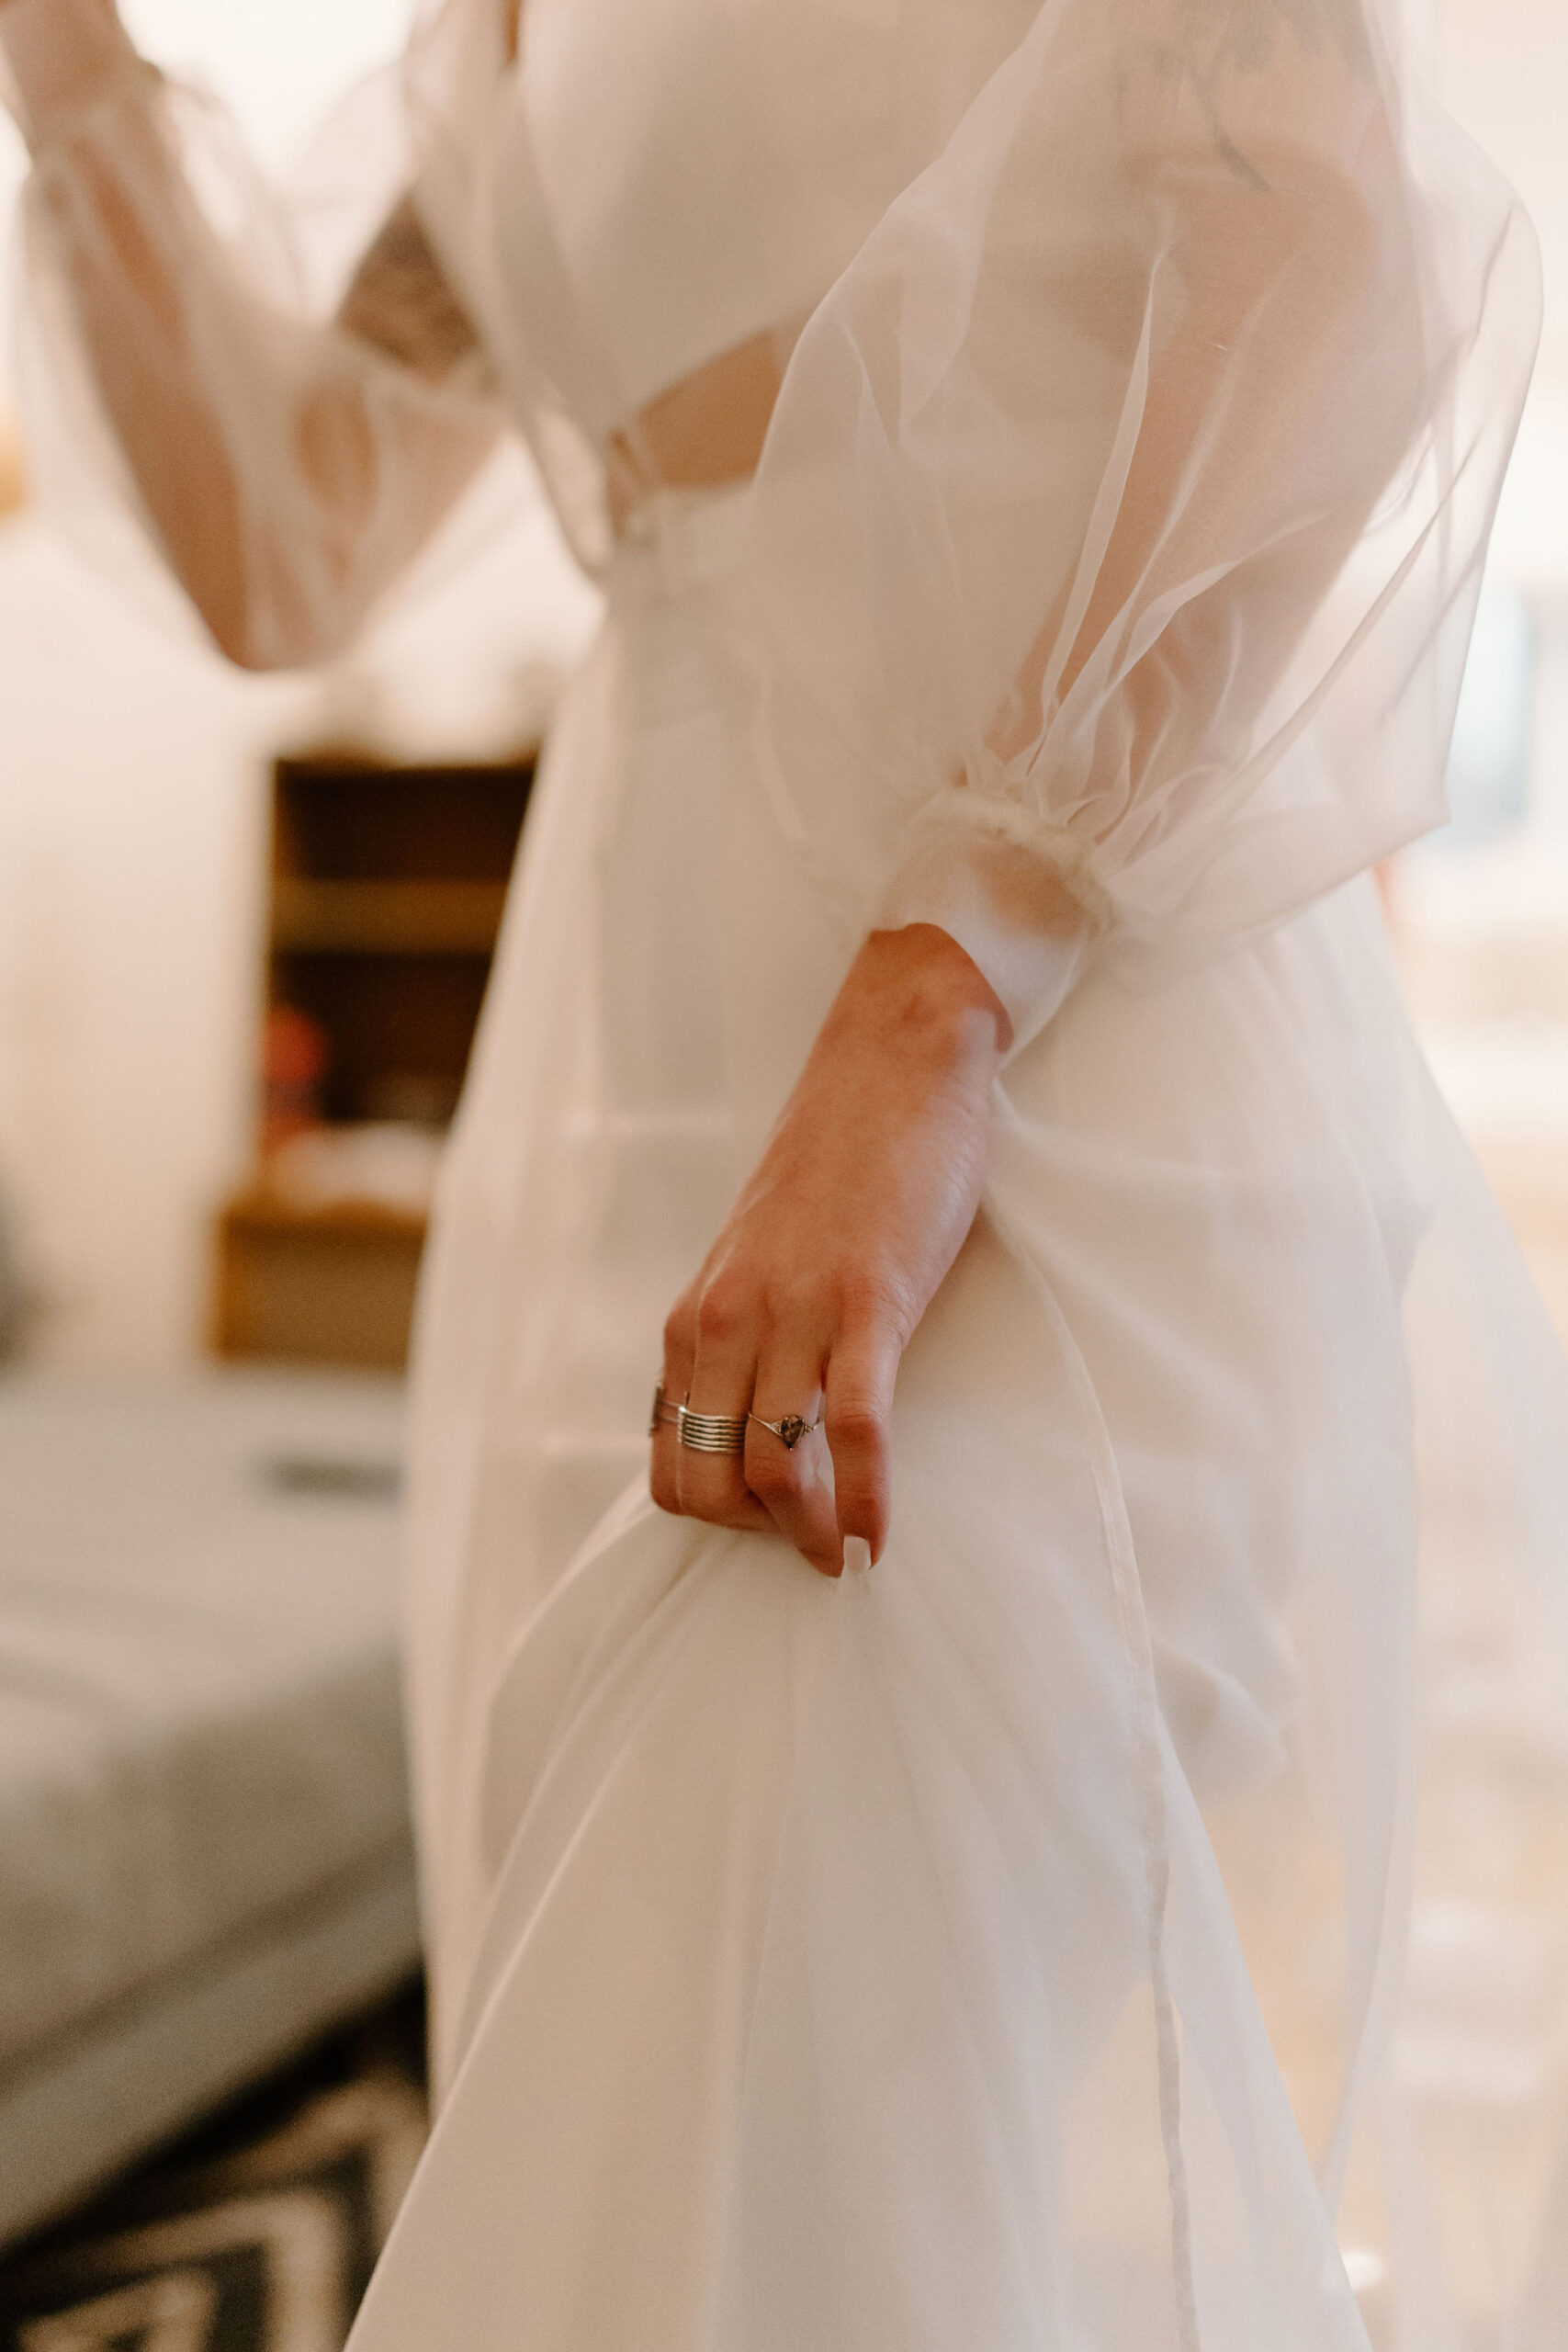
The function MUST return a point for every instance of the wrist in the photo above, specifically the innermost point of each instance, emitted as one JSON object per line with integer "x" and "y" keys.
{"x": 1015, "y": 896}
{"x": 938, "y": 997}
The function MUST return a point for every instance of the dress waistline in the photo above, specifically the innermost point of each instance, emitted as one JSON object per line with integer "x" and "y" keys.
{"x": 676, "y": 540}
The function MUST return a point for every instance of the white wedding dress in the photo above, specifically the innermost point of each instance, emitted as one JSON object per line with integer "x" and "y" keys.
{"x": 1004, "y": 1950}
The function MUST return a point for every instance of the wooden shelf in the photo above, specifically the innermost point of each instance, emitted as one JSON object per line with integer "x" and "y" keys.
{"x": 387, "y": 887}
{"x": 261, "y": 1209}
{"x": 433, "y": 918}
{"x": 333, "y": 1285}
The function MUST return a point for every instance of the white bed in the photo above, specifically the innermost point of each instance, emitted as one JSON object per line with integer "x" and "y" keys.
{"x": 204, "y": 1842}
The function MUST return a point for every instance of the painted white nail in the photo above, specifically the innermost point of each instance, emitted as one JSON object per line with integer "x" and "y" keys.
{"x": 857, "y": 1552}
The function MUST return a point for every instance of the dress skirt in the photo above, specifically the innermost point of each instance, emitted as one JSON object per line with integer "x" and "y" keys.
{"x": 1000, "y": 1950}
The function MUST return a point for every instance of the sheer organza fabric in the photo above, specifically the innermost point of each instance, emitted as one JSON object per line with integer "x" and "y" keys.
{"x": 1128, "y": 492}
{"x": 1127, "y": 501}
{"x": 1006, "y": 1948}
{"x": 186, "y": 387}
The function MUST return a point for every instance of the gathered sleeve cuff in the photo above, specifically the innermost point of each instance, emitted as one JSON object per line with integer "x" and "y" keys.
{"x": 1019, "y": 899}
{"x": 1122, "y": 516}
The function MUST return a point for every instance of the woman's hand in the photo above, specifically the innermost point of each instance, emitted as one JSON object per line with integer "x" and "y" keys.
{"x": 830, "y": 1256}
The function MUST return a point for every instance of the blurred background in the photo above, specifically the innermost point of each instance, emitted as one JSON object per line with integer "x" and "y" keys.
{"x": 137, "y": 827}
{"x": 244, "y": 927}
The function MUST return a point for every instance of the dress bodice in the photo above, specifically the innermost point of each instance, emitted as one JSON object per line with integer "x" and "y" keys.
{"x": 707, "y": 167}
{"x": 1145, "y": 340}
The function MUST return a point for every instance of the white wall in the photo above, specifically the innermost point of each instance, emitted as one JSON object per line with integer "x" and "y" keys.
{"x": 132, "y": 880}
{"x": 131, "y": 863}
{"x": 132, "y": 808}
{"x": 1504, "y": 72}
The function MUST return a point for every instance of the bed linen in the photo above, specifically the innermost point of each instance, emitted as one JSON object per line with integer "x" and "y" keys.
{"x": 204, "y": 1838}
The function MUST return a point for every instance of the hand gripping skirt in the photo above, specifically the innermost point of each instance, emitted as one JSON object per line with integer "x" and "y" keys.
{"x": 1155, "y": 1870}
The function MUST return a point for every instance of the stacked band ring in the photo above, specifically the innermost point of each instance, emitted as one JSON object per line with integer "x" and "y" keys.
{"x": 712, "y": 1432}
{"x": 664, "y": 1412}
{"x": 699, "y": 1433}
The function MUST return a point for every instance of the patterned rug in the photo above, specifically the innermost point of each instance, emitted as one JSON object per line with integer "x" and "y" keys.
{"x": 256, "y": 2233}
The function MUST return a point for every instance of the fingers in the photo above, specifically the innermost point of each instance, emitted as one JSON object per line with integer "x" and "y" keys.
{"x": 857, "y": 1416}
{"x": 680, "y": 1355}
{"x": 713, "y": 1485}
{"x": 795, "y": 1482}
{"x": 707, "y": 1364}
{"x": 724, "y": 1500}
{"x": 721, "y": 1356}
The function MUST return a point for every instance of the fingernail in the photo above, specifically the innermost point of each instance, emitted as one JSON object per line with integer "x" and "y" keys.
{"x": 857, "y": 1552}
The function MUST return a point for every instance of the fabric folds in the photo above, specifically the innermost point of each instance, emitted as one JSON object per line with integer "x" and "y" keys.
{"x": 1137, "y": 472}
{"x": 187, "y": 386}
{"x": 1007, "y": 1948}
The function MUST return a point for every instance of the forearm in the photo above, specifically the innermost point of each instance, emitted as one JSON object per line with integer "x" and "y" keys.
{"x": 286, "y": 468}
{"x": 61, "y": 57}
{"x": 913, "y": 992}
{"x": 68, "y": 59}
{"x": 858, "y": 1206}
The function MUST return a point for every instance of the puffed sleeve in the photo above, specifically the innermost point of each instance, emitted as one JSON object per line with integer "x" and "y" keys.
{"x": 185, "y": 382}
{"x": 1119, "y": 525}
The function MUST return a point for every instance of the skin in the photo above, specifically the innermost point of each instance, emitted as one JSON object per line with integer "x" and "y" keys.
{"x": 874, "y": 1174}
{"x": 861, "y": 1201}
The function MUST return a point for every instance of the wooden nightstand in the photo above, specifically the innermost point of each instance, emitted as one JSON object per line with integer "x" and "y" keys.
{"x": 388, "y": 885}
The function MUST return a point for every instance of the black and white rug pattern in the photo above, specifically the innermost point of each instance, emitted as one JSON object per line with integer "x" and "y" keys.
{"x": 257, "y": 2234}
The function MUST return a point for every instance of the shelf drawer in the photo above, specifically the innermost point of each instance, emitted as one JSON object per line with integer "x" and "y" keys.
{"x": 332, "y": 1286}
{"x": 386, "y": 918}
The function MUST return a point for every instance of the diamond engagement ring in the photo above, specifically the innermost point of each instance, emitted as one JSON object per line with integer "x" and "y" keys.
{"x": 790, "y": 1430}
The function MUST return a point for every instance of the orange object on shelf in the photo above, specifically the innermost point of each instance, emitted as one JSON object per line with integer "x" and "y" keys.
{"x": 295, "y": 1059}
{"x": 388, "y": 885}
